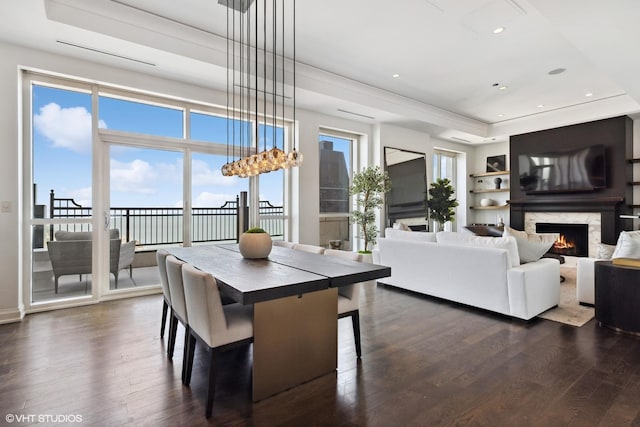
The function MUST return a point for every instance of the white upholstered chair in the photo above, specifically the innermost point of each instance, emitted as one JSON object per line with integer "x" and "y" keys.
{"x": 284, "y": 244}
{"x": 215, "y": 326}
{"x": 309, "y": 248}
{"x": 161, "y": 260}
{"x": 349, "y": 297}
{"x": 179, "y": 311}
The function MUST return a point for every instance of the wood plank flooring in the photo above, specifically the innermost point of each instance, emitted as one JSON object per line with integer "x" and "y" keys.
{"x": 426, "y": 362}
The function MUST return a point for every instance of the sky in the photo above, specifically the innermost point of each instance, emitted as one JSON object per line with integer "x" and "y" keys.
{"x": 140, "y": 177}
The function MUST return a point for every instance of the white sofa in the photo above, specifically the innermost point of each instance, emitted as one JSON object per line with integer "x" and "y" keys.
{"x": 478, "y": 276}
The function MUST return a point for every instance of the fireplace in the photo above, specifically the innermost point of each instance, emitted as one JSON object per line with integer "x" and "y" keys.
{"x": 573, "y": 240}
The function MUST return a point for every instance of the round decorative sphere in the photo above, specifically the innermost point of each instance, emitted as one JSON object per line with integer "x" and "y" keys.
{"x": 486, "y": 202}
{"x": 255, "y": 245}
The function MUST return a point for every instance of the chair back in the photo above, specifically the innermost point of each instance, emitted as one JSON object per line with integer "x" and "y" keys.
{"x": 283, "y": 243}
{"x": 176, "y": 287}
{"x": 203, "y": 303}
{"x": 216, "y": 324}
{"x": 309, "y": 248}
{"x": 161, "y": 259}
{"x": 350, "y": 292}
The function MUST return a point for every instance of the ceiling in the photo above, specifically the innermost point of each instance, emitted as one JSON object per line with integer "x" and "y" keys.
{"x": 457, "y": 79}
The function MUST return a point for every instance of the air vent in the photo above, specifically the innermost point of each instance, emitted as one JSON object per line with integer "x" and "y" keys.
{"x": 461, "y": 139}
{"x": 356, "y": 114}
{"x": 103, "y": 52}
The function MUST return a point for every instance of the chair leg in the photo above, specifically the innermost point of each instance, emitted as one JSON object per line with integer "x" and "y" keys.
{"x": 185, "y": 352}
{"x": 355, "y": 320}
{"x": 189, "y": 361}
{"x": 165, "y": 307}
{"x": 212, "y": 383}
{"x": 173, "y": 330}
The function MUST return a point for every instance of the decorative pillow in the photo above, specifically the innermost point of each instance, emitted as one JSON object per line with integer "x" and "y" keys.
{"x": 605, "y": 251}
{"x": 628, "y": 245}
{"x": 451, "y": 237}
{"x": 509, "y": 243}
{"x": 401, "y": 226}
{"x": 531, "y": 247}
{"x": 419, "y": 236}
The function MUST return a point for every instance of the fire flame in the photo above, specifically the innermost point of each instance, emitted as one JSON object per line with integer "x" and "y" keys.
{"x": 562, "y": 243}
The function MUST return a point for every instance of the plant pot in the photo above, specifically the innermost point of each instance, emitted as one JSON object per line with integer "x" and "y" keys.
{"x": 255, "y": 245}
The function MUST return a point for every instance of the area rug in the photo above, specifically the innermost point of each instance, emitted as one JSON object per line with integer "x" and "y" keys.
{"x": 569, "y": 311}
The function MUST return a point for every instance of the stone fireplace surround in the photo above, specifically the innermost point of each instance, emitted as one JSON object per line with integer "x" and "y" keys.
{"x": 592, "y": 219}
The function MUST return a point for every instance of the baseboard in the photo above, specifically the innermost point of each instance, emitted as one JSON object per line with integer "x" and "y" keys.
{"x": 12, "y": 315}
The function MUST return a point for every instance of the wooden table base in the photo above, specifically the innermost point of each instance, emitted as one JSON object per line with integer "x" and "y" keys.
{"x": 295, "y": 340}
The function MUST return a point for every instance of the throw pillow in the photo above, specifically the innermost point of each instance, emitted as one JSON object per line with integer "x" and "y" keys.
{"x": 605, "y": 251}
{"x": 509, "y": 243}
{"x": 628, "y": 245}
{"x": 401, "y": 226}
{"x": 531, "y": 247}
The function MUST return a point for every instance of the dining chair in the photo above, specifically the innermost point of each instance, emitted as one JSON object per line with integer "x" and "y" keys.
{"x": 309, "y": 248}
{"x": 283, "y": 243}
{"x": 213, "y": 325}
{"x": 161, "y": 257}
{"x": 349, "y": 297}
{"x": 179, "y": 311}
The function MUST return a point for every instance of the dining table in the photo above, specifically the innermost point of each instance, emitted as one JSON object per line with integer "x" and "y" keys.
{"x": 295, "y": 307}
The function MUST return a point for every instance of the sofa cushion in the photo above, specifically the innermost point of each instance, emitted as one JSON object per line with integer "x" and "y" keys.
{"x": 451, "y": 237}
{"x": 628, "y": 245}
{"x": 531, "y": 247}
{"x": 419, "y": 236}
{"x": 401, "y": 226}
{"x": 508, "y": 243}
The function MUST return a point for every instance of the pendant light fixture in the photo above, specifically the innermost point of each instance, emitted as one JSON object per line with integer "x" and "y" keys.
{"x": 256, "y": 41}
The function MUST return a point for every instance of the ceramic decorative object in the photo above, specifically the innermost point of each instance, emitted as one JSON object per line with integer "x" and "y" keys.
{"x": 497, "y": 182}
{"x": 335, "y": 244}
{"x": 255, "y": 243}
{"x": 487, "y": 202}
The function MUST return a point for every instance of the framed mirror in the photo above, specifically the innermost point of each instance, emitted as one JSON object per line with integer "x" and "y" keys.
{"x": 405, "y": 201}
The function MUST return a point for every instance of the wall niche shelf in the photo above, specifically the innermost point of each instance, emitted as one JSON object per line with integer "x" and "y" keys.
{"x": 489, "y": 190}
{"x": 479, "y": 175}
{"x": 487, "y": 208}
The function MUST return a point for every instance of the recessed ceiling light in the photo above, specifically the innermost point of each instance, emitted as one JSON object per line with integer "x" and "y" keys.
{"x": 500, "y": 115}
{"x": 540, "y": 106}
{"x": 498, "y": 30}
{"x": 503, "y": 87}
{"x": 557, "y": 71}
{"x": 395, "y": 76}
{"x": 588, "y": 94}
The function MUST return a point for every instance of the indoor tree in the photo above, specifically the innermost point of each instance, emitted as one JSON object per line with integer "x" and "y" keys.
{"x": 369, "y": 187}
{"x": 440, "y": 201}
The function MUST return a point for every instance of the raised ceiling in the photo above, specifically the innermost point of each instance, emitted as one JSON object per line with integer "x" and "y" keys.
{"x": 456, "y": 78}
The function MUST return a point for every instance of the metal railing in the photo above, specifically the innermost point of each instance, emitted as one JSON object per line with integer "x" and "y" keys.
{"x": 156, "y": 226}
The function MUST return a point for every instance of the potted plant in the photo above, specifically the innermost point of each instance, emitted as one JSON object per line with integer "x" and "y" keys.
{"x": 368, "y": 186}
{"x": 255, "y": 243}
{"x": 440, "y": 202}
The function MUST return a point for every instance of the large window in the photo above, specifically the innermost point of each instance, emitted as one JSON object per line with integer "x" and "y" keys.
{"x": 445, "y": 165}
{"x": 147, "y": 166}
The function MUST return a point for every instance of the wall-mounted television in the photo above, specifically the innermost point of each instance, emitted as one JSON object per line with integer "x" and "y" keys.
{"x": 574, "y": 171}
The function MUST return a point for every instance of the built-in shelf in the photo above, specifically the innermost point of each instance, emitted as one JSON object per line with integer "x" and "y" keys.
{"x": 634, "y": 160}
{"x": 478, "y": 175}
{"x": 489, "y": 190}
{"x": 480, "y": 208}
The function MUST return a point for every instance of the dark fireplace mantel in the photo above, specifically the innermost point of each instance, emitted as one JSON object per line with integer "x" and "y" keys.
{"x": 609, "y": 208}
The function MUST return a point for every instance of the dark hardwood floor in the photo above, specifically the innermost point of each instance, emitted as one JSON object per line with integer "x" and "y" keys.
{"x": 425, "y": 362}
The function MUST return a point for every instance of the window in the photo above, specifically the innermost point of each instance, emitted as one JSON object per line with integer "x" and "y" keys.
{"x": 445, "y": 164}
{"x": 335, "y": 174}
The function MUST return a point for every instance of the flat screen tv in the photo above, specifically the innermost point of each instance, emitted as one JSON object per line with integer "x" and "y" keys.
{"x": 574, "y": 171}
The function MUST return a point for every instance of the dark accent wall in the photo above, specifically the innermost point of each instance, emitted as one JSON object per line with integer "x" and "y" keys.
{"x": 616, "y": 134}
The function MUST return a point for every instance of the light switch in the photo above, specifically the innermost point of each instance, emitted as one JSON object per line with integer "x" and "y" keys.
{"x": 6, "y": 206}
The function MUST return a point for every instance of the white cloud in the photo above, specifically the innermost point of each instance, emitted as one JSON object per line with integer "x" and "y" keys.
{"x": 137, "y": 176}
{"x": 66, "y": 127}
{"x": 203, "y": 175}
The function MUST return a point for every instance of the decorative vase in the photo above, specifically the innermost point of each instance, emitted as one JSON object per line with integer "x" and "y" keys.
{"x": 255, "y": 245}
{"x": 486, "y": 202}
{"x": 497, "y": 182}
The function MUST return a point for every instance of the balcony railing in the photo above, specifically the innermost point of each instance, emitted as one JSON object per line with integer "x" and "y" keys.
{"x": 158, "y": 226}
